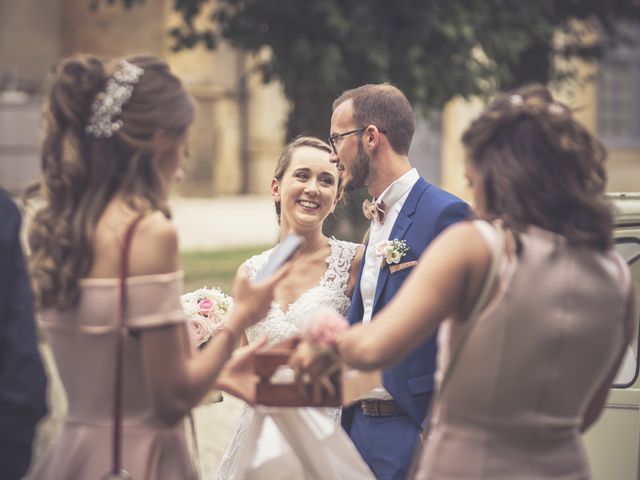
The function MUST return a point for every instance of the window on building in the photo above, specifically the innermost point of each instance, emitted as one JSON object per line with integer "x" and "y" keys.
{"x": 629, "y": 248}
{"x": 618, "y": 116}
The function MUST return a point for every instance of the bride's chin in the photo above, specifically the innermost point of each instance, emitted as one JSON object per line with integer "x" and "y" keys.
{"x": 307, "y": 224}
{"x": 304, "y": 215}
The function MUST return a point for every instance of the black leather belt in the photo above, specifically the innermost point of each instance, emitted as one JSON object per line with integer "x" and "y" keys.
{"x": 381, "y": 408}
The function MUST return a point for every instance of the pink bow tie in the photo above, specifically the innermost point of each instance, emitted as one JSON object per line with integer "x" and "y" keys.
{"x": 374, "y": 210}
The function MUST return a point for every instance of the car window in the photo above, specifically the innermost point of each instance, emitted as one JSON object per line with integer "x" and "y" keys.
{"x": 629, "y": 248}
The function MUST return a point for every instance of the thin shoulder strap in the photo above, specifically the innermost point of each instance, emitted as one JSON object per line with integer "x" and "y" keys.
{"x": 495, "y": 237}
{"x": 117, "y": 471}
{"x": 497, "y": 248}
{"x": 340, "y": 258}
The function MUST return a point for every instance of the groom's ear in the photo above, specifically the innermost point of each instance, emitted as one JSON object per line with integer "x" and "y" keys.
{"x": 275, "y": 190}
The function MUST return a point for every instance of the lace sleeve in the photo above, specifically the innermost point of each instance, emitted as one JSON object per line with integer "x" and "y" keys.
{"x": 342, "y": 254}
{"x": 257, "y": 262}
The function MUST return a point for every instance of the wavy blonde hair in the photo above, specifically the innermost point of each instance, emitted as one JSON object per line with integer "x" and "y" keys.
{"x": 81, "y": 174}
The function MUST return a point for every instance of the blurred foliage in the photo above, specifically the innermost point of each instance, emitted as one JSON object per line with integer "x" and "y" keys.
{"x": 347, "y": 221}
{"x": 215, "y": 268}
{"x": 431, "y": 49}
{"x": 94, "y": 5}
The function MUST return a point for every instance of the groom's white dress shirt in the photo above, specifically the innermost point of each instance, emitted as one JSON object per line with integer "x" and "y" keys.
{"x": 393, "y": 198}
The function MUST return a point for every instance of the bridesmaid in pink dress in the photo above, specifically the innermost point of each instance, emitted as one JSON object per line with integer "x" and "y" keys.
{"x": 115, "y": 139}
{"x": 535, "y": 308}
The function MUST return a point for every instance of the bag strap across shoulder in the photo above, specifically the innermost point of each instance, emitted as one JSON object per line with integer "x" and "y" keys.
{"x": 117, "y": 471}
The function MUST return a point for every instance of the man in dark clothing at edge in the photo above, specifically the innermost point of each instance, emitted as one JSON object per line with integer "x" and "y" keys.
{"x": 22, "y": 376}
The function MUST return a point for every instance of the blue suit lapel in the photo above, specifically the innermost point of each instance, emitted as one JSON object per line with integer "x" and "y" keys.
{"x": 356, "y": 310}
{"x": 399, "y": 230}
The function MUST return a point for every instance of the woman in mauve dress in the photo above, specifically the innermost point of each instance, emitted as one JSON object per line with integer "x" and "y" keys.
{"x": 115, "y": 140}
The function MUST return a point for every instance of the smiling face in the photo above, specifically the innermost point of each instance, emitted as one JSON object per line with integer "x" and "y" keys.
{"x": 308, "y": 190}
{"x": 349, "y": 154}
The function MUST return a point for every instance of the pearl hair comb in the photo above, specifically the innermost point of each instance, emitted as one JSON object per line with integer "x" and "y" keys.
{"x": 108, "y": 104}
{"x": 554, "y": 108}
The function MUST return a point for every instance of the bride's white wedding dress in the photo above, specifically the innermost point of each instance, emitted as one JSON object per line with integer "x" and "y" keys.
{"x": 281, "y": 323}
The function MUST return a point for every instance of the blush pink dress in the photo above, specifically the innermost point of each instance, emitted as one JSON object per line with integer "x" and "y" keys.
{"x": 83, "y": 344}
{"x": 513, "y": 403}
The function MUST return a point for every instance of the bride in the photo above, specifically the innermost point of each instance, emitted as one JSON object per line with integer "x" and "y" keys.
{"x": 306, "y": 188}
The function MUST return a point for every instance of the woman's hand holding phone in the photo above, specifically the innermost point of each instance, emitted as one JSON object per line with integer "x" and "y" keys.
{"x": 252, "y": 298}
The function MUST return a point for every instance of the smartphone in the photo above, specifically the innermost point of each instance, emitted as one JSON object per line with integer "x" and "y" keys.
{"x": 280, "y": 255}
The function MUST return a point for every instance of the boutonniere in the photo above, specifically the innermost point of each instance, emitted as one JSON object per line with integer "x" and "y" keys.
{"x": 391, "y": 251}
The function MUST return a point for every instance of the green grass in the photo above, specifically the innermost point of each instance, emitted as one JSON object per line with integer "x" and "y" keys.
{"x": 215, "y": 268}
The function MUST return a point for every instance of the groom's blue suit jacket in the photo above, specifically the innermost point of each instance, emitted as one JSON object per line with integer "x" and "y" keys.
{"x": 427, "y": 211}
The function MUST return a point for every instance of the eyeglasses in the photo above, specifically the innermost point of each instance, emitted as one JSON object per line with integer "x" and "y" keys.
{"x": 334, "y": 140}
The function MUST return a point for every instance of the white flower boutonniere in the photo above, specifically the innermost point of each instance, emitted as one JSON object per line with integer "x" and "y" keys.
{"x": 391, "y": 251}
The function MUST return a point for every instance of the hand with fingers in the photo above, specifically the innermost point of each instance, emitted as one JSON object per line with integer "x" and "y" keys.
{"x": 316, "y": 368}
{"x": 238, "y": 377}
{"x": 252, "y": 300}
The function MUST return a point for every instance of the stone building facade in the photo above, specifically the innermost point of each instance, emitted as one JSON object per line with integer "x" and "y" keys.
{"x": 240, "y": 126}
{"x": 239, "y": 129}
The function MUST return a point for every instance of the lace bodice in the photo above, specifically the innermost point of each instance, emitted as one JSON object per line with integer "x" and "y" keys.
{"x": 330, "y": 292}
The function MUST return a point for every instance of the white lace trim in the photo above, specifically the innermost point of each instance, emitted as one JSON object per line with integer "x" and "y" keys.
{"x": 329, "y": 292}
{"x": 279, "y": 325}
{"x": 338, "y": 264}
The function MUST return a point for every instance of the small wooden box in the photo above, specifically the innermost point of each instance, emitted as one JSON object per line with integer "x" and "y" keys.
{"x": 349, "y": 384}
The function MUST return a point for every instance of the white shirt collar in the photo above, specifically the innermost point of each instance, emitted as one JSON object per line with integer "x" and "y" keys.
{"x": 398, "y": 188}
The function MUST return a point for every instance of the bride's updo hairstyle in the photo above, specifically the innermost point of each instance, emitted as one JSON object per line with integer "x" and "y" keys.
{"x": 287, "y": 154}
{"x": 541, "y": 167}
{"x": 82, "y": 171}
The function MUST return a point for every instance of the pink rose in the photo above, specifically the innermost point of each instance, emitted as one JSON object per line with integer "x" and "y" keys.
{"x": 200, "y": 330}
{"x": 381, "y": 247}
{"x": 216, "y": 320}
{"x": 325, "y": 327}
{"x": 205, "y": 305}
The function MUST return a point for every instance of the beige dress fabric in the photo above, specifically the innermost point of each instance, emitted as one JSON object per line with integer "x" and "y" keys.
{"x": 83, "y": 343}
{"x": 512, "y": 405}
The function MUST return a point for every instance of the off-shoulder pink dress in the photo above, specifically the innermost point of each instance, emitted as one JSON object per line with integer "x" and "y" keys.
{"x": 83, "y": 344}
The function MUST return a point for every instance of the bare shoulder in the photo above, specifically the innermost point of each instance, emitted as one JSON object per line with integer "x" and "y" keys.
{"x": 462, "y": 241}
{"x": 157, "y": 226}
{"x": 459, "y": 232}
{"x": 455, "y": 264}
{"x": 154, "y": 248}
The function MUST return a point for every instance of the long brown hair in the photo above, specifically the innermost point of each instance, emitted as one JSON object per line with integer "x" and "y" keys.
{"x": 81, "y": 174}
{"x": 541, "y": 167}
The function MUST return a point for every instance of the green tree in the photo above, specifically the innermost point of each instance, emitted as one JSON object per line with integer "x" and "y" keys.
{"x": 431, "y": 49}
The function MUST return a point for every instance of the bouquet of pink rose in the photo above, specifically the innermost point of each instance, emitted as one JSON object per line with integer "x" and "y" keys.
{"x": 206, "y": 310}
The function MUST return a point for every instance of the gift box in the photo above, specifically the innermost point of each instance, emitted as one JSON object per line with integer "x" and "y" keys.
{"x": 277, "y": 386}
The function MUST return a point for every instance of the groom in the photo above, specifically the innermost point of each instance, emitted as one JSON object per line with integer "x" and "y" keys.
{"x": 371, "y": 131}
